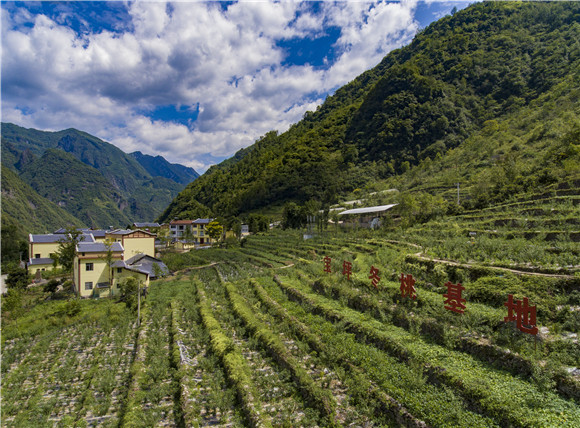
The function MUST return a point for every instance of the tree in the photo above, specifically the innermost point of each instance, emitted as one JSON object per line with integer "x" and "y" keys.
{"x": 51, "y": 286}
{"x": 109, "y": 259}
{"x": 187, "y": 234}
{"x": 18, "y": 279}
{"x": 163, "y": 236}
{"x": 14, "y": 248}
{"x": 293, "y": 216}
{"x": 67, "y": 249}
{"x": 129, "y": 288}
{"x": 12, "y": 303}
{"x": 215, "y": 230}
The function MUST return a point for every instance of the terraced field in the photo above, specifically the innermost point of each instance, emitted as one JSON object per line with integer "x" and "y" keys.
{"x": 261, "y": 335}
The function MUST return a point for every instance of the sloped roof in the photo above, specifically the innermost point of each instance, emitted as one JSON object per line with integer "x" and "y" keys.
{"x": 41, "y": 261}
{"x": 63, "y": 230}
{"x": 368, "y": 210}
{"x": 45, "y": 239}
{"x": 146, "y": 225}
{"x": 56, "y": 238}
{"x": 125, "y": 232}
{"x": 143, "y": 263}
{"x": 98, "y": 233}
{"x": 203, "y": 221}
{"x": 119, "y": 232}
{"x": 177, "y": 222}
{"x": 98, "y": 247}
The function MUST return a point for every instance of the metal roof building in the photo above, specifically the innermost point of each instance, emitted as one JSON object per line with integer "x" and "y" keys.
{"x": 368, "y": 210}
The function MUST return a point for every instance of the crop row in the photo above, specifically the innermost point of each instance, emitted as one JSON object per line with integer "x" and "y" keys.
{"x": 507, "y": 399}
{"x": 76, "y": 375}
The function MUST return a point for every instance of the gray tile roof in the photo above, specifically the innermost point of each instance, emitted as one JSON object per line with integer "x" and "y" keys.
{"x": 98, "y": 233}
{"x": 56, "y": 238}
{"x": 97, "y": 247}
{"x": 45, "y": 239}
{"x": 203, "y": 221}
{"x": 41, "y": 261}
{"x": 120, "y": 232}
{"x": 146, "y": 224}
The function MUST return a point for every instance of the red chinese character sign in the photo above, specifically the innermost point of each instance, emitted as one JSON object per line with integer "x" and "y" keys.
{"x": 525, "y": 315}
{"x": 453, "y": 301}
{"x": 327, "y": 261}
{"x": 347, "y": 269}
{"x": 374, "y": 275}
{"x": 408, "y": 287}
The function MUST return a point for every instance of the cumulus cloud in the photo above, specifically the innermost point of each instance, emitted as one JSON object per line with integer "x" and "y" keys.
{"x": 223, "y": 58}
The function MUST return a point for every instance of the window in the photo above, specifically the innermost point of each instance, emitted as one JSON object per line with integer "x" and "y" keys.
{"x": 88, "y": 285}
{"x": 89, "y": 266}
{"x": 37, "y": 256}
{"x": 119, "y": 270}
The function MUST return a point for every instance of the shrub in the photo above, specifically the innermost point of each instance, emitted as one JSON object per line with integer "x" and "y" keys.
{"x": 51, "y": 286}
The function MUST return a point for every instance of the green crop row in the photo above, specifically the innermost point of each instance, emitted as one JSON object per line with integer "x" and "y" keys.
{"x": 373, "y": 372}
{"x": 234, "y": 363}
{"x": 383, "y": 405}
{"x": 317, "y": 397}
{"x": 501, "y": 396}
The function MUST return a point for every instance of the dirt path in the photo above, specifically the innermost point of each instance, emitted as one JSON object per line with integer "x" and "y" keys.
{"x": 470, "y": 265}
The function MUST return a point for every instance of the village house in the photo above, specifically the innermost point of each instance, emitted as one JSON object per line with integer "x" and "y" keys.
{"x": 92, "y": 274}
{"x": 103, "y": 259}
{"x": 148, "y": 227}
{"x": 100, "y": 268}
{"x": 133, "y": 241}
{"x": 199, "y": 231}
{"x": 190, "y": 233}
{"x": 42, "y": 248}
{"x": 367, "y": 218}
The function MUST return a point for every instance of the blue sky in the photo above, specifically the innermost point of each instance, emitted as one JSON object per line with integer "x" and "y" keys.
{"x": 191, "y": 81}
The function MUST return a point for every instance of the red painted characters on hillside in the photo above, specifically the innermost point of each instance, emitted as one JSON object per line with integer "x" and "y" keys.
{"x": 454, "y": 302}
{"x": 524, "y": 316}
{"x": 408, "y": 287}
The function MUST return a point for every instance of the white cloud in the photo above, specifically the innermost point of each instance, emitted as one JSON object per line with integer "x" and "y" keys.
{"x": 224, "y": 59}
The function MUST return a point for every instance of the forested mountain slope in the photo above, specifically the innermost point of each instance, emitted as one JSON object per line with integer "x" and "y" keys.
{"x": 81, "y": 190}
{"x": 466, "y": 75}
{"x": 157, "y": 166}
{"x": 24, "y": 207}
{"x": 126, "y": 191}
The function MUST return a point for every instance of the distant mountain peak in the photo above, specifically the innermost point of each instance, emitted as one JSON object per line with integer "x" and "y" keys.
{"x": 158, "y": 166}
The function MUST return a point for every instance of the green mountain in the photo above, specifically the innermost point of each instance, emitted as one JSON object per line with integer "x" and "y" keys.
{"x": 492, "y": 73}
{"x": 157, "y": 166}
{"x": 121, "y": 190}
{"x": 76, "y": 187}
{"x": 23, "y": 207}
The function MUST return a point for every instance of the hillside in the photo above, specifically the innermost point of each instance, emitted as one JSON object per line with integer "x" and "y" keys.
{"x": 76, "y": 187}
{"x": 21, "y": 204}
{"x": 157, "y": 166}
{"x": 485, "y": 75}
{"x": 127, "y": 191}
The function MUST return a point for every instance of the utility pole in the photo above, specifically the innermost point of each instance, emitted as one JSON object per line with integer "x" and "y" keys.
{"x": 457, "y": 193}
{"x": 139, "y": 303}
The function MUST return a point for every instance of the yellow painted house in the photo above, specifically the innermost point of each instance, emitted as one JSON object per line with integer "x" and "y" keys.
{"x": 41, "y": 248}
{"x": 95, "y": 276}
{"x": 133, "y": 241}
{"x": 92, "y": 274}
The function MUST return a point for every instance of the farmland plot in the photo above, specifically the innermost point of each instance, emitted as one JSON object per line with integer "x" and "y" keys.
{"x": 262, "y": 336}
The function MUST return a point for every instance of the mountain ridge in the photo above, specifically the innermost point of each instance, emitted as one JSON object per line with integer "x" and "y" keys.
{"x": 456, "y": 77}
{"x": 127, "y": 191}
